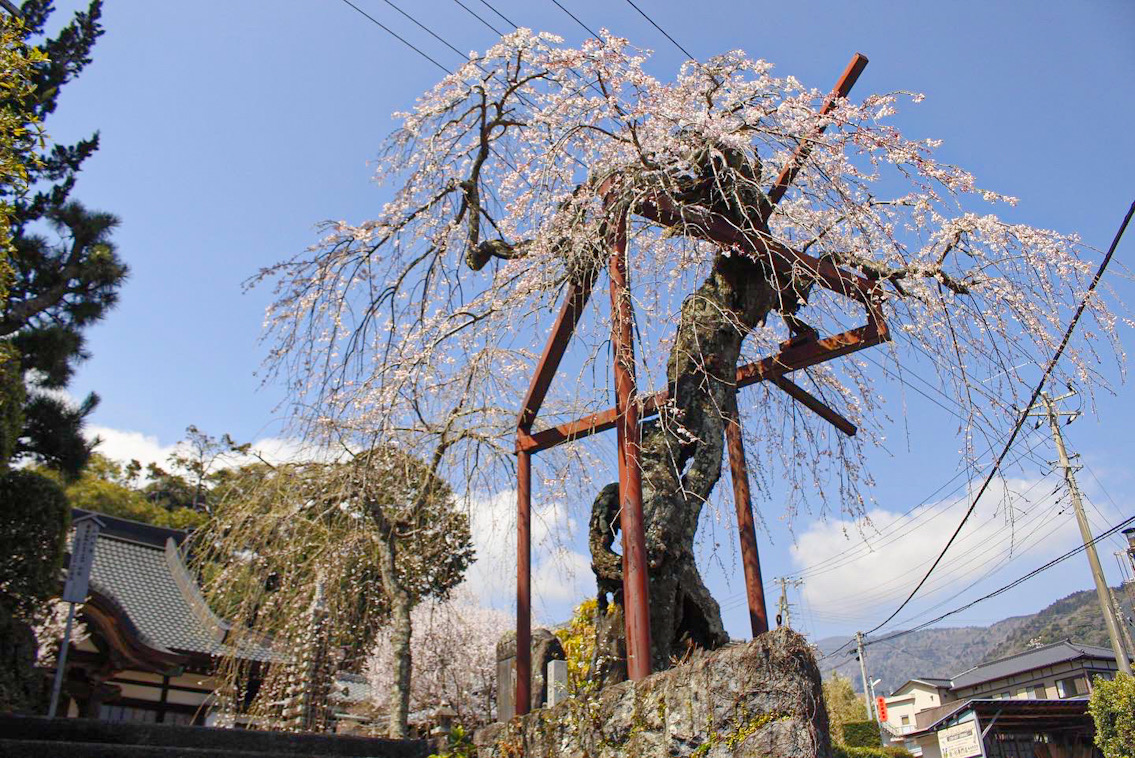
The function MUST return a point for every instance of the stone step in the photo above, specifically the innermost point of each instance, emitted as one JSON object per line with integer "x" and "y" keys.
{"x": 56, "y": 749}
{"x": 118, "y": 736}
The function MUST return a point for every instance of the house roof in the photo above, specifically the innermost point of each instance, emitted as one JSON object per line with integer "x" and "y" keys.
{"x": 929, "y": 681}
{"x": 140, "y": 570}
{"x": 1047, "y": 655}
{"x": 1009, "y": 715}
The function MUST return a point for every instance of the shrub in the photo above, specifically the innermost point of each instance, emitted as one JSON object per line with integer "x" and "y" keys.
{"x": 861, "y": 734}
{"x": 33, "y": 532}
{"x": 1112, "y": 706}
{"x": 12, "y": 396}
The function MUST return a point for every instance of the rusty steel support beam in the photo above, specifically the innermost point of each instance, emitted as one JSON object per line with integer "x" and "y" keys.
{"x": 796, "y": 162}
{"x": 791, "y": 358}
{"x": 746, "y": 529}
{"x": 523, "y": 583}
{"x": 812, "y": 352}
{"x": 570, "y": 313}
{"x": 814, "y": 404}
{"x": 636, "y": 597}
{"x": 716, "y": 228}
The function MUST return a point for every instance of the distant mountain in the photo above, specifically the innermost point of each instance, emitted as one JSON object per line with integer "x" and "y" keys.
{"x": 945, "y": 651}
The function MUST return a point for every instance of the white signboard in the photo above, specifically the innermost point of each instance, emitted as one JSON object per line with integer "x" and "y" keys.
{"x": 961, "y": 741}
{"x": 82, "y": 558}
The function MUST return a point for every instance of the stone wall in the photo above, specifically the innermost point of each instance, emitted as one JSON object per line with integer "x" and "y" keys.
{"x": 754, "y": 700}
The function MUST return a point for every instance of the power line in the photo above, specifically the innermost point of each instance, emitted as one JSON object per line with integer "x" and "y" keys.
{"x": 426, "y": 29}
{"x": 1015, "y": 582}
{"x": 477, "y": 16}
{"x": 983, "y": 550}
{"x": 503, "y": 17}
{"x": 1020, "y": 421}
{"x": 397, "y": 36}
{"x": 659, "y": 28}
{"x": 999, "y": 591}
{"x": 576, "y": 18}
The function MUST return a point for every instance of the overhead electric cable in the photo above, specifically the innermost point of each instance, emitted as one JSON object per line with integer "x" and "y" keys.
{"x": 659, "y": 28}
{"x": 999, "y": 591}
{"x": 1020, "y": 421}
{"x": 505, "y": 18}
{"x": 397, "y": 36}
{"x": 1020, "y": 580}
{"x": 426, "y": 29}
{"x": 477, "y": 16}
{"x": 576, "y": 18}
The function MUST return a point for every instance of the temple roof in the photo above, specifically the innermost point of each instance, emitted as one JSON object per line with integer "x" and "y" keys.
{"x": 141, "y": 570}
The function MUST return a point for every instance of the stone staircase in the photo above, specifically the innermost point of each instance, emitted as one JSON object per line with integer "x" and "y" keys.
{"x": 37, "y": 737}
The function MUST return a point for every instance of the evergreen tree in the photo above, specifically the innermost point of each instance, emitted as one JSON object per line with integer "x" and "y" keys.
{"x": 65, "y": 273}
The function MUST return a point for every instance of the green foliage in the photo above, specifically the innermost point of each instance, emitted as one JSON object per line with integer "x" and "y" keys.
{"x": 578, "y": 639}
{"x": 842, "y": 703}
{"x": 459, "y": 744}
{"x": 860, "y": 734}
{"x": 288, "y": 532}
{"x": 1112, "y": 706}
{"x": 105, "y": 486}
{"x": 52, "y": 434}
{"x": 12, "y": 395}
{"x": 845, "y": 751}
{"x": 19, "y": 128}
{"x": 59, "y": 59}
{"x": 51, "y": 289}
{"x": 33, "y": 534}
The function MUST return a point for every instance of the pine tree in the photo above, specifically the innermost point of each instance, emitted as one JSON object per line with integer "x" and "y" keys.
{"x": 65, "y": 272}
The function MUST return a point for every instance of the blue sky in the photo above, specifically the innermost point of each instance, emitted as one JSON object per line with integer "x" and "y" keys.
{"x": 230, "y": 129}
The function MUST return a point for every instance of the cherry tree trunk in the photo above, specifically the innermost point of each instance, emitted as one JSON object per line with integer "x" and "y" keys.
{"x": 401, "y": 629}
{"x": 681, "y": 463}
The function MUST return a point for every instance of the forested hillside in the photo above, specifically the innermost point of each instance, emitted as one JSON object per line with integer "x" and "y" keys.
{"x": 946, "y": 651}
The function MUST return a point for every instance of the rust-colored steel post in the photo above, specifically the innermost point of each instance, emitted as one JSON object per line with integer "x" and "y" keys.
{"x": 523, "y": 582}
{"x": 750, "y": 558}
{"x": 636, "y": 597}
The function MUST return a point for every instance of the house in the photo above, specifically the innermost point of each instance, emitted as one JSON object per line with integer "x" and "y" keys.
{"x": 1056, "y": 679}
{"x": 913, "y": 697}
{"x": 1058, "y": 671}
{"x": 988, "y": 728}
{"x": 152, "y": 642}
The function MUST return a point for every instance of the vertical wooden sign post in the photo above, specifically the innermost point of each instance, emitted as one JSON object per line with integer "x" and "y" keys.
{"x": 75, "y": 591}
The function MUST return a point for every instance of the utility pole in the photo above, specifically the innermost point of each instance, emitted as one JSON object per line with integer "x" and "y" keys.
{"x": 862, "y": 655}
{"x": 1102, "y": 592}
{"x": 783, "y": 607}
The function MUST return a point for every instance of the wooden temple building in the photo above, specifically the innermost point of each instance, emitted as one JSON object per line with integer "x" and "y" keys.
{"x": 152, "y": 642}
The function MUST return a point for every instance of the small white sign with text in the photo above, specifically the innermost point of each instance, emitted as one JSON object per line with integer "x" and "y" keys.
{"x": 961, "y": 741}
{"x": 82, "y": 558}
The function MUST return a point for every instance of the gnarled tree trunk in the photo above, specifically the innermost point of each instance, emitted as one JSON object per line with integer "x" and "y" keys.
{"x": 681, "y": 462}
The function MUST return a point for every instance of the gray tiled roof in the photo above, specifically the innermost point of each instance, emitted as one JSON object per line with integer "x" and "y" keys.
{"x": 139, "y": 577}
{"x": 1048, "y": 655}
{"x": 937, "y": 682}
{"x": 140, "y": 567}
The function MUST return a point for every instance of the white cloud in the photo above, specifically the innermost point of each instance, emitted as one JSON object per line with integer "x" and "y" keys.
{"x": 125, "y": 446}
{"x": 561, "y": 577}
{"x": 856, "y": 570}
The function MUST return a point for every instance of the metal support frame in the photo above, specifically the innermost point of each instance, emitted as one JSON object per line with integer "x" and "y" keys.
{"x": 746, "y": 529}
{"x": 636, "y": 589}
{"x": 631, "y": 409}
{"x": 523, "y": 583}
